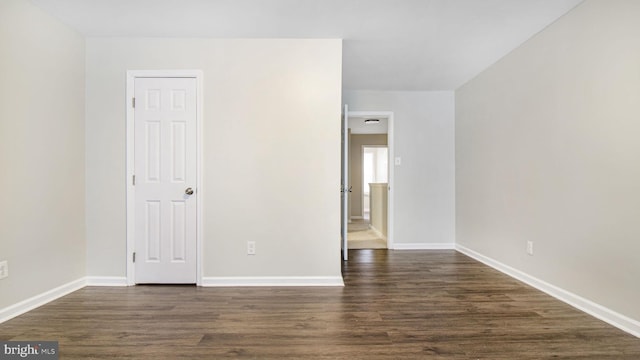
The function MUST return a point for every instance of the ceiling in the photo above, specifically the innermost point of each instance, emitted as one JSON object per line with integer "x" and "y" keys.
{"x": 388, "y": 44}
{"x": 358, "y": 126}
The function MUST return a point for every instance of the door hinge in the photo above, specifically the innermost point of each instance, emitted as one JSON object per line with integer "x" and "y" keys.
{"x": 134, "y": 180}
{"x": 133, "y": 102}
{"x": 134, "y": 256}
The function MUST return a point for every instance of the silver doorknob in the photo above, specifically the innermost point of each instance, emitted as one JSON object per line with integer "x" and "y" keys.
{"x": 189, "y": 191}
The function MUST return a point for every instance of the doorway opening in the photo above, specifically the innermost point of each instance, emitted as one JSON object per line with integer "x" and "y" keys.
{"x": 370, "y": 179}
{"x": 375, "y": 160}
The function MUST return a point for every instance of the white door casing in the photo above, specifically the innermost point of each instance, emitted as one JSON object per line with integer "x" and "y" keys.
{"x": 344, "y": 188}
{"x": 162, "y": 199}
{"x": 391, "y": 175}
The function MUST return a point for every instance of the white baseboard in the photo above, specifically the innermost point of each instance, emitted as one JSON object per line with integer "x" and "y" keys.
{"x": 107, "y": 281}
{"x": 423, "y": 246}
{"x": 36, "y": 301}
{"x": 607, "y": 315}
{"x": 355, "y": 217}
{"x": 273, "y": 281}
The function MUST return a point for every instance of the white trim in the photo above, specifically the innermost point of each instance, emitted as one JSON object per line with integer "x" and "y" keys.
{"x": 130, "y": 199}
{"x": 391, "y": 182}
{"x": 377, "y": 232}
{"x": 107, "y": 281}
{"x": 345, "y": 207}
{"x": 199, "y": 173}
{"x": 391, "y": 174}
{"x": 38, "y": 300}
{"x": 130, "y": 206}
{"x": 598, "y": 311}
{"x": 273, "y": 281}
{"x": 424, "y": 246}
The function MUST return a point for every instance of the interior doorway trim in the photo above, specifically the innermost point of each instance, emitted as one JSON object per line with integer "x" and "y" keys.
{"x": 390, "y": 144}
{"x": 130, "y": 160}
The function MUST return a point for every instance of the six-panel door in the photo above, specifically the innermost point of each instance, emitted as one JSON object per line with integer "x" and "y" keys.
{"x": 165, "y": 169}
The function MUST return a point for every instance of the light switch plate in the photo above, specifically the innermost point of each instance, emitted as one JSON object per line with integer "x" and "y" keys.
{"x": 398, "y": 161}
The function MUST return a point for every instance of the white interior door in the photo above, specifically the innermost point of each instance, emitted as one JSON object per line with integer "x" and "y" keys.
{"x": 344, "y": 221}
{"x": 165, "y": 180}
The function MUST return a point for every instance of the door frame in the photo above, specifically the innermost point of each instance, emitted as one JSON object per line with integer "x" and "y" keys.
{"x": 344, "y": 185}
{"x": 130, "y": 163}
{"x": 391, "y": 154}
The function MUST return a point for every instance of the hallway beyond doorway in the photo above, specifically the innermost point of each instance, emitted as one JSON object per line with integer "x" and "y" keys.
{"x": 361, "y": 236}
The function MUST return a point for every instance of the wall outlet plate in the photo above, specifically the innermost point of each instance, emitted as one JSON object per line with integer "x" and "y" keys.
{"x": 4, "y": 269}
{"x": 530, "y": 247}
{"x": 251, "y": 247}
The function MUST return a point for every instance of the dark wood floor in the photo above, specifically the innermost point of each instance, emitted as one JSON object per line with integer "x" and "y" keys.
{"x": 396, "y": 305}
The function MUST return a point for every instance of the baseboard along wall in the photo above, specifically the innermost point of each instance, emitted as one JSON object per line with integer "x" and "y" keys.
{"x": 273, "y": 281}
{"x": 38, "y": 300}
{"x": 423, "y": 246}
{"x": 598, "y": 311}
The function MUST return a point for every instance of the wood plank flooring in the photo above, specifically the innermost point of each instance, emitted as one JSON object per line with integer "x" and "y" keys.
{"x": 396, "y": 305}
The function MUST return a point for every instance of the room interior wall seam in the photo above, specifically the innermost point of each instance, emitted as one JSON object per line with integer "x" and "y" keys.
{"x": 596, "y": 310}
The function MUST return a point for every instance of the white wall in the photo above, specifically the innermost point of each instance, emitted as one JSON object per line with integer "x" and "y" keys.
{"x": 271, "y": 133}
{"x": 41, "y": 152}
{"x": 423, "y": 136}
{"x": 548, "y": 150}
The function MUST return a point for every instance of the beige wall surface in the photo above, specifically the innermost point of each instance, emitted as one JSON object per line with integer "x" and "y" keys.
{"x": 423, "y": 137}
{"x": 379, "y": 193}
{"x": 547, "y": 151}
{"x": 42, "y": 233}
{"x": 356, "y": 142}
{"x": 271, "y": 151}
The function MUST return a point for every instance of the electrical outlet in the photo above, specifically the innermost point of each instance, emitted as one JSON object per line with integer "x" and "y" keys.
{"x": 530, "y": 247}
{"x": 251, "y": 247}
{"x": 4, "y": 269}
